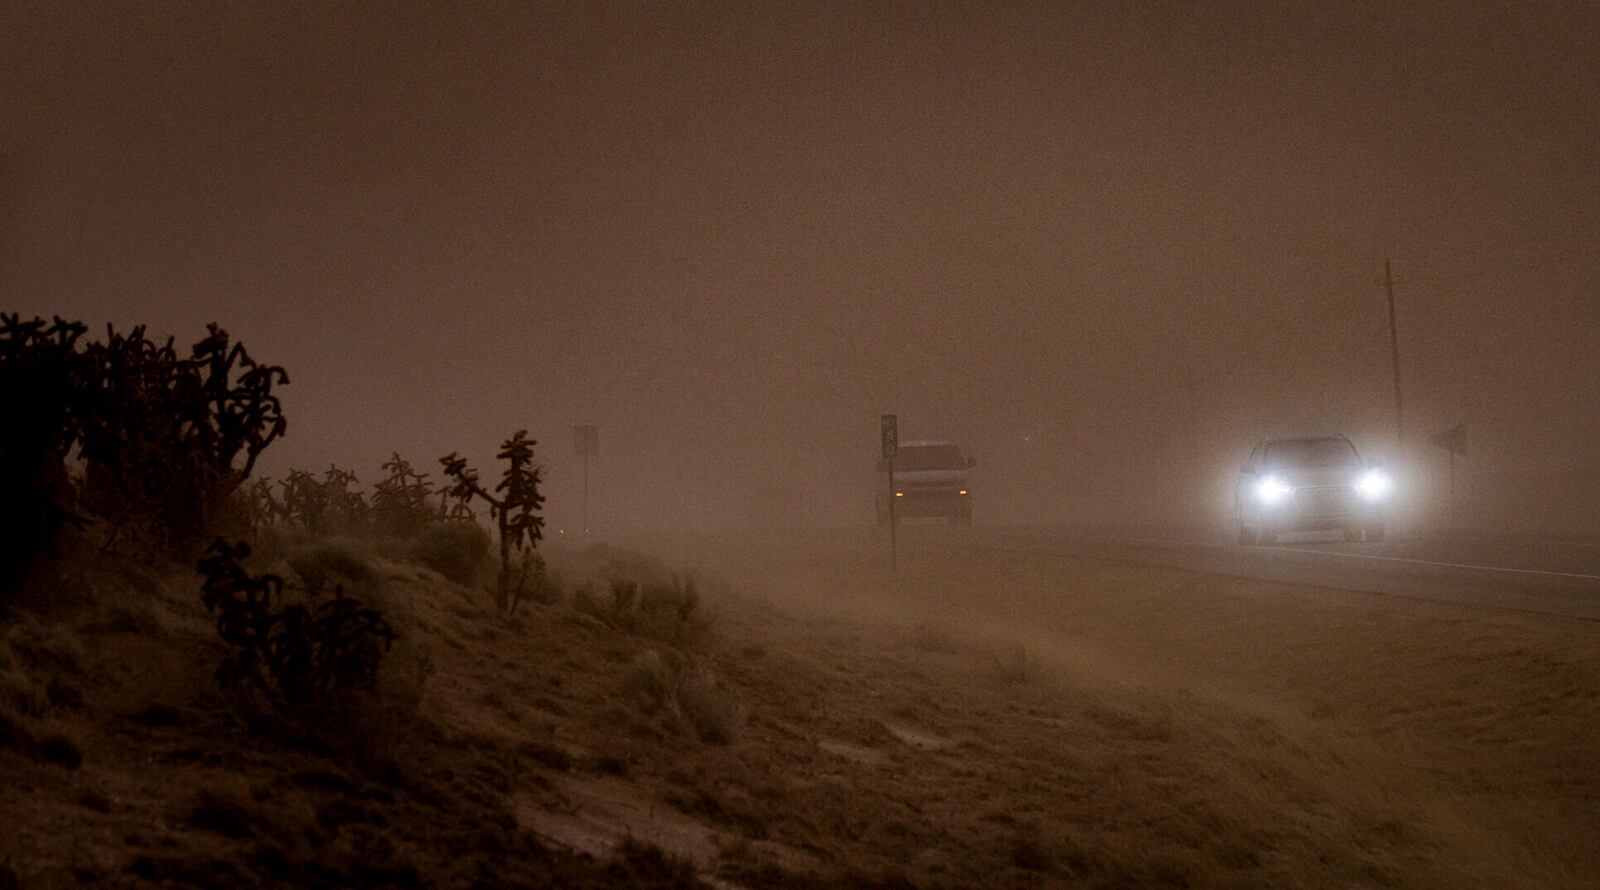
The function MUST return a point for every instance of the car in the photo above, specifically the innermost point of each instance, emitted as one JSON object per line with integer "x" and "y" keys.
{"x": 1311, "y": 483}
{"x": 930, "y": 480}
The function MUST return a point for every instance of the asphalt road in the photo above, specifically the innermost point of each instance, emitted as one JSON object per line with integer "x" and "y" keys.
{"x": 1530, "y": 575}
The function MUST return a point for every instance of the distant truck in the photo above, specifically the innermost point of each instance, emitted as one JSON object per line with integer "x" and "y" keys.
{"x": 930, "y": 480}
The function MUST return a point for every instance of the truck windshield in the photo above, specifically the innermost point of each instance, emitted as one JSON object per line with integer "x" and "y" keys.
{"x": 929, "y": 457}
{"x": 1312, "y": 453}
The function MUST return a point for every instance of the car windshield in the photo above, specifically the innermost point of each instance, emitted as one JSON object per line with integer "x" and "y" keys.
{"x": 929, "y": 457}
{"x": 1312, "y": 453}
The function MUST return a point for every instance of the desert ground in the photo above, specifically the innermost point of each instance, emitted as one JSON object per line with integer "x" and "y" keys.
{"x": 800, "y": 715}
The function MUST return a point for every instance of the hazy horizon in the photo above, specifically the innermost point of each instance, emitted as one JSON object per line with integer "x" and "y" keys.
{"x": 1105, "y": 247}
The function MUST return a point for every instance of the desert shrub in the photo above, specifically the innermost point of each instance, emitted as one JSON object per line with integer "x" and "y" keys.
{"x": 670, "y": 683}
{"x": 666, "y": 610}
{"x": 457, "y": 550}
{"x": 515, "y": 511}
{"x": 624, "y": 596}
{"x": 548, "y": 586}
{"x": 671, "y": 610}
{"x": 710, "y": 707}
{"x": 163, "y": 441}
{"x": 334, "y": 565}
{"x": 293, "y": 654}
{"x": 586, "y": 601}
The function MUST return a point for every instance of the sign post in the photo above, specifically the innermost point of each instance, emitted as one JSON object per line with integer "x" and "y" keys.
{"x": 1454, "y": 441}
{"x": 586, "y": 440}
{"x": 889, "y": 433}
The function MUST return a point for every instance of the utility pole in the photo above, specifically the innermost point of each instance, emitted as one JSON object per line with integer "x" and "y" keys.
{"x": 1394, "y": 349}
{"x": 586, "y": 439}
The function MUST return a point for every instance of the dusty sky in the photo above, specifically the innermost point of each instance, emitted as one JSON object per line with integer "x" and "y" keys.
{"x": 1104, "y": 245}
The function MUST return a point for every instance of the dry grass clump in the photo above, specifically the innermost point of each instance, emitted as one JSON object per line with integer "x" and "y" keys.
{"x": 45, "y": 646}
{"x": 37, "y": 664}
{"x": 672, "y": 684}
{"x": 128, "y": 598}
{"x": 458, "y": 550}
{"x": 324, "y": 566}
{"x": 348, "y": 565}
{"x": 667, "y": 610}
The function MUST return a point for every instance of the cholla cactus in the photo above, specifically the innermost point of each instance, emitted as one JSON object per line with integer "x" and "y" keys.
{"x": 515, "y": 511}
{"x": 164, "y": 442}
{"x": 261, "y": 506}
{"x": 344, "y": 496}
{"x": 400, "y": 500}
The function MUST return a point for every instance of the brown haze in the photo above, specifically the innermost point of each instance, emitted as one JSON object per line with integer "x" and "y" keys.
{"x": 1105, "y": 246}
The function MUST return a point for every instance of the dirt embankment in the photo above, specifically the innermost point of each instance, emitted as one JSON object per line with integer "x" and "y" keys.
{"x": 806, "y": 719}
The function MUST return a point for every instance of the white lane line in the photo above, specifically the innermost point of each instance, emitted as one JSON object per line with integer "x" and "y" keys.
{"x": 1420, "y": 562}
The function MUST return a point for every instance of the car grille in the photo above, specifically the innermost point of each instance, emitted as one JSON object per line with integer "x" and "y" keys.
{"x": 1325, "y": 499}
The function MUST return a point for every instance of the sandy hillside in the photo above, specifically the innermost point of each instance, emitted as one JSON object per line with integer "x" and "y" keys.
{"x": 803, "y": 718}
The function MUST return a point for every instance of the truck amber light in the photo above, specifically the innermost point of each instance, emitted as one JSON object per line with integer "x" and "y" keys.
{"x": 899, "y": 494}
{"x": 963, "y": 491}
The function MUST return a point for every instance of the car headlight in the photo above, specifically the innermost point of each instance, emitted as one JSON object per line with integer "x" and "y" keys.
{"x": 1374, "y": 485}
{"x": 1271, "y": 490}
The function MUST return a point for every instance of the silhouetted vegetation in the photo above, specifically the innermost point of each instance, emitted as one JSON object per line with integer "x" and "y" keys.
{"x": 400, "y": 500}
{"x": 515, "y": 511}
{"x": 294, "y": 654}
{"x": 402, "y": 504}
{"x": 125, "y": 429}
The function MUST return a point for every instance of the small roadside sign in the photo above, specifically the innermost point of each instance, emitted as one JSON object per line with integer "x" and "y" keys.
{"x": 889, "y": 428}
